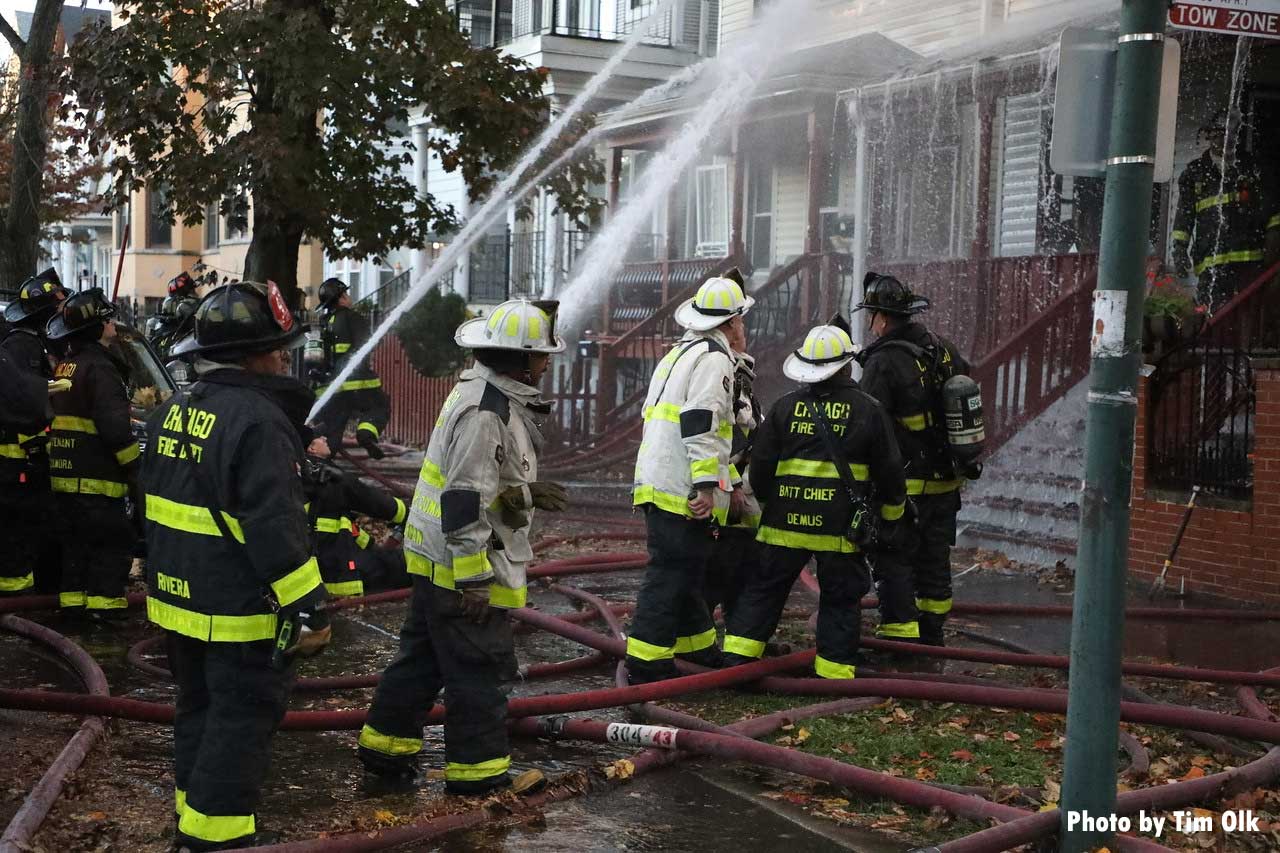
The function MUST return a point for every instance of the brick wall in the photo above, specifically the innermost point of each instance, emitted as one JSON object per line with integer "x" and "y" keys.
{"x": 1228, "y": 552}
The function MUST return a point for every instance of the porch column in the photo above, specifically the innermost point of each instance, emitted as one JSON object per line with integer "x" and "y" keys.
{"x": 859, "y": 248}
{"x": 985, "y": 333}
{"x": 737, "y": 236}
{"x": 819, "y": 143}
{"x": 613, "y": 177}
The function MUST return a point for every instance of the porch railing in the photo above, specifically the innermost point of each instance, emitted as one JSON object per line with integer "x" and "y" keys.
{"x": 573, "y": 18}
{"x": 1202, "y": 403}
{"x": 976, "y": 302}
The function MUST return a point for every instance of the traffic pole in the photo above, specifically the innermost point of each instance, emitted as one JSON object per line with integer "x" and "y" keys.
{"x": 1097, "y": 625}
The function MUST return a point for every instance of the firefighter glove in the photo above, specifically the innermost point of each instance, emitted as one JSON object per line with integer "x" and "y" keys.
{"x": 311, "y": 635}
{"x": 552, "y": 497}
{"x": 475, "y": 605}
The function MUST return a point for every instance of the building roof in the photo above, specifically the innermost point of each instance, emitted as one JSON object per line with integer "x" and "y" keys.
{"x": 74, "y": 21}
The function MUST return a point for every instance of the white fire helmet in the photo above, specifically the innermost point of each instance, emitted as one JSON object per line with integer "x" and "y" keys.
{"x": 516, "y": 324}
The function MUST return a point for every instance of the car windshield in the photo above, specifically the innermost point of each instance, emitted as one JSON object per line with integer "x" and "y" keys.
{"x": 149, "y": 383}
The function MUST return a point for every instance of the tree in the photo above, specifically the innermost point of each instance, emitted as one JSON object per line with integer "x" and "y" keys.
{"x": 301, "y": 104}
{"x": 426, "y": 333}
{"x": 38, "y": 65}
{"x": 68, "y": 174}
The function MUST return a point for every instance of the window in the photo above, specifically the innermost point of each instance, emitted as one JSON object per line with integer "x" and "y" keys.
{"x": 237, "y": 227}
{"x": 211, "y": 223}
{"x": 159, "y": 225}
{"x": 712, "y": 211}
{"x": 123, "y": 220}
{"x": 760, "y": 226}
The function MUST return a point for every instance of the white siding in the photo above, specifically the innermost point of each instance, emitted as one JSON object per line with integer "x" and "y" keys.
{"x": 447, "y": 187}
{"x": 925, "y": 26}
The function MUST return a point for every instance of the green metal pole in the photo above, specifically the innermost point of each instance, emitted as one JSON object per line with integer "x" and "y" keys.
{"x": 1097, "y": 627}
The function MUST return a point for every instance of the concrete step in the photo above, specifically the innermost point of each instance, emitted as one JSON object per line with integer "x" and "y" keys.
{"x": 1017, "y": 544}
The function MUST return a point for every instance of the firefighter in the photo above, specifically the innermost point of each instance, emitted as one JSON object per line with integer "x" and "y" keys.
{"x": 1221, "y": 227}
{"x": 25, "y": 497}
{"x": 735, "y": 557}
{"x": 808, "y": 509}
{"x": 343, "y": 332}
{"x": 467, "y": 546}
{"x": 183, "y": 286}
{"x": 683, "y": 481}
{"x": 174, "y": 322}
{"x": 905, "y": 369}
{"x": 349, "y": 563}
{"x": 93, "y": 456}
{"x": 230, "y": 572}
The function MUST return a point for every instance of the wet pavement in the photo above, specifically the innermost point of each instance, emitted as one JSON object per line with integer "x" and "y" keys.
{"x": 317, "y": 786}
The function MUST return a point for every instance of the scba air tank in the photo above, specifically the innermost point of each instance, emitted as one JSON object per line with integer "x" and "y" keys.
{"x": 962, "y": 405}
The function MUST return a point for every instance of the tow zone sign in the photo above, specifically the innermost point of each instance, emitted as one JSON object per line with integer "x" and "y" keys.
{"x": 1259, "y": 18}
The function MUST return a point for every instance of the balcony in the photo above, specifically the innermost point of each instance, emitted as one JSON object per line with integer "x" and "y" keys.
{"x": 585, "y": 19}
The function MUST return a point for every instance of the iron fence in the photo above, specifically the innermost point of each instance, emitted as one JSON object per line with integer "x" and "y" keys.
{"x": 517, "y": 19}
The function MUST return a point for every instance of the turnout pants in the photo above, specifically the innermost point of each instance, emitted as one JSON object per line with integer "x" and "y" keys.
{"x": 30, "y": 561}
{"x": 735, "y": 560}
{"x": 842, "y": 579}
{"x": 441, "y": 649}
{"x": 230, "y": 702}
{"x": 95, "y": 561}
{"x": 914, "y": 584}
{"x": 671, "y": 616}
{"x": 370, "y": 407}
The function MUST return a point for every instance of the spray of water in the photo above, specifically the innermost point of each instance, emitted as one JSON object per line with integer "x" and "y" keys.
{"x": 737, "y": 73}
{"x": 496, "y": 203}
{"x": 1230, "y": 139}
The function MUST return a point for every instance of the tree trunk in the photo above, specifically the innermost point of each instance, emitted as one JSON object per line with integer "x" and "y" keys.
{"x": 273, "y": 251}
{"x": 20, "y": 229}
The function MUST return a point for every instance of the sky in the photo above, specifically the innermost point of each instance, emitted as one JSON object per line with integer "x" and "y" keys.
{"x": 8, "y": 7}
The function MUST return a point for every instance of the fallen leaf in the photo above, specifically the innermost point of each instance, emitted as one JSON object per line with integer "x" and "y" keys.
{"x": 924, "y": 774}
{"x": 620, "y": 769}
{"x": 802, "y": 735}
{"x": 1202, "y": 761}
{"x": 980, "y": 738}
{"x": 924, "y": 754}
{"x": 962, "y": 755}
{"x": 383, "y": 816}
{"x": 96, "y": 815}
{"x": 1052, "y": 790}
{"x": 1044, "y": 743}
{"x": 1012, "y": 737}
{"x": 1194, "y": 773}
{"x": 902, "y": 715}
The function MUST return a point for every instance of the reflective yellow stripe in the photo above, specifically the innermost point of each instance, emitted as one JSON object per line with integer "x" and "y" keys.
{"x": 749, "y": 522}
{"x": 214, "y": 829}
{"x": 82, "y": 486}
{"x": 1181, "y": 237}
{"x": 725, "y": 430}
{"x": 1274, "y": 222}
{"x": 71, "y": 599}
{"x": 1216, "y": 201}
{"x": 105, "y": 602}
{"x": 189, "y": 518}
{"x": 365, "y": 426}
{"x": 743, "y": 646}
{"x": 362, "y": 539}
{"x": 69, "y": 423}
{"x": 892, "y": 512}
{"x": 932, "y": 487}
{"x": 640, "y": 650}
{"x": 705, "y": 469}
{"x": 430, "y": 474}
{"x": 332, "y": 525}
{"x": 402, "y": 512}
{"x": 695, "y": 643}
{"x": 457, "y": 772}
{"x": 128, "y": 454}
{"x": 360, "y": 384}
{"x": 938, "y": 606}
{"x": 371, "y": 738}
{"x": 17, "y": 584}
{"x": 1238, "y": 257}
{"x": 663, "y": 412}
{"x": 819, "y": 470}
{"x": 345, "y": 588}
{"x": 12, "y": 451}
{"x": 217, "y": 629}
{"x": 442, "y": 576}
{"x": 416, "y": 564}
{"x": 179, "y": 801}
{"x": 674, "y": 504}
{"x": 805, "y": 541}
{"x": 830, "y": 669}
{"x": 735, "y": 476}
{"x": 297, "y": 583}
{"x": 899, "y": 630}
{"x": 341, "y": 348}
{"x": 914, "y": 423}
{"x": 471, "y": 565}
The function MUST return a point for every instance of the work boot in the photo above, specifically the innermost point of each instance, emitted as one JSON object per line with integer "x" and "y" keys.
{"x": 646, "y": 672}
{"x": 710, "y": 657}
{"x": 366, "y": 440}
{"x": 528, "y": 782}
{"x": 729, "y": 659}
{"x": 397, "y": 771}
